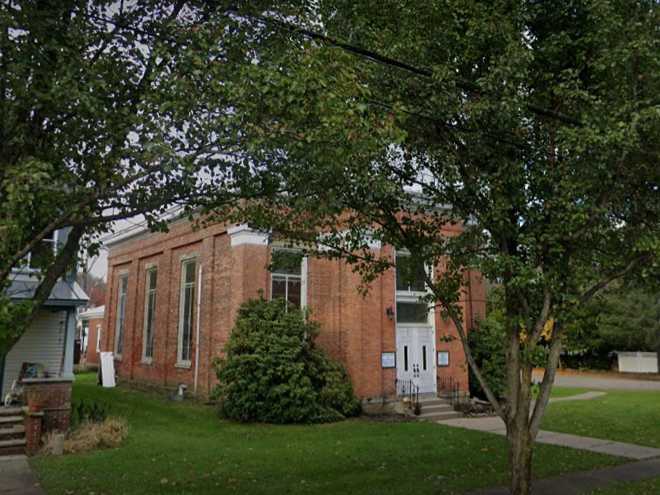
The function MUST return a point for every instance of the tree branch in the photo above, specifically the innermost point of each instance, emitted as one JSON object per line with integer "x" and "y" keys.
{"x": 634, "y": 263}
{"x": 546, "y": 385}
{"x": 384, "y": 60}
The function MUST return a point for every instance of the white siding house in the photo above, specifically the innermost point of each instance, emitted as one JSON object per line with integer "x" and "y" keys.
{"x": 49, "y": 341}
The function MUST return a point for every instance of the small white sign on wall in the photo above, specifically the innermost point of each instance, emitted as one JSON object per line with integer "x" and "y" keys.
{"x": 107, "y": 370}
{"x": 388, "y": 360}
{"x": 443, "y": 358}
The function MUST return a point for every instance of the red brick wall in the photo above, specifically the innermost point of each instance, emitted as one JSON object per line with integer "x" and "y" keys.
{"x": 354, "y": 329}
{"x": 91, "y": 354}
{"x": 53, "y": 398}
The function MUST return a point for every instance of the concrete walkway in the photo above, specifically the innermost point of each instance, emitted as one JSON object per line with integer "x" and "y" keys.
{"x": 587, "y": 481}
{"x": 16, "y": 477}
{"x": 584, "y": 396}
{"x": 494, "y": 424}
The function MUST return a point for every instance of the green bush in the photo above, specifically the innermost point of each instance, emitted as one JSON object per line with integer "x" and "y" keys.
{"x": 272, "y": 372}
{"x": 88, "y": 412}
{"x": 487, "y": 344}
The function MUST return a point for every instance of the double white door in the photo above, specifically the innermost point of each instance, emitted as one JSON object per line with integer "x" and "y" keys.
{"x": 415, "y": 349}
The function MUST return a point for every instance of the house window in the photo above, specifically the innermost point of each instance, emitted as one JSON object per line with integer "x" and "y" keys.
{"x": 288, "y": 277}
{"x": 121, "y": 314}
{"x": 84, "y": 336}
{"x": 411, "y": 312}
{"x": 410, "y": 274}
{"x": 42, "y": 254}
{"x": 149, "y": 314}
{"x": 186, "y": 311}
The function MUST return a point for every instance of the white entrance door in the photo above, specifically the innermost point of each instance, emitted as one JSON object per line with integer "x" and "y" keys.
{"x": 415, "y": 348}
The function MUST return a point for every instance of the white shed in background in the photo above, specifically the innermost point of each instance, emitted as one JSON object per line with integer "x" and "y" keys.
{"x": 638, "y": 362}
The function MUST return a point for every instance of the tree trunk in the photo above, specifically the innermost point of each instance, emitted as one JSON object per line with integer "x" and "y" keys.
{"x": 520, "y": 457}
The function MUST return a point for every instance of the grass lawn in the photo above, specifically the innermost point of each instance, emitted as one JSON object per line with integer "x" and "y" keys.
{"x": 625, "y": 416}
{"x": 176, "y": 448}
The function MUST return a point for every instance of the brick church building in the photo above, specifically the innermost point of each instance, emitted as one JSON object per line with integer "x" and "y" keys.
{"x": 173, "y": 297}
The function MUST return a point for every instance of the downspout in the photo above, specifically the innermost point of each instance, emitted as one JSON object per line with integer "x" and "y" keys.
{"x": 197, "y": 326}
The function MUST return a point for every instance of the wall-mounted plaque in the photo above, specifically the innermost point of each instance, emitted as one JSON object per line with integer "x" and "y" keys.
{"x": 388, "y": 359}
{"x": 443, "y": 358}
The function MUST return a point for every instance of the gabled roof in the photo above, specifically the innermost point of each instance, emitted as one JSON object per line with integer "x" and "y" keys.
{"x": 64, "y": 293}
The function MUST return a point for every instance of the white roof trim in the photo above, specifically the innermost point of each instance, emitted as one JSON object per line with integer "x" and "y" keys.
{"x": 244, "y": 235}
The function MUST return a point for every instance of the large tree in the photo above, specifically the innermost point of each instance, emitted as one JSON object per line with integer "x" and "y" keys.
{"x": 106, "y": 112}
{"x": 533, "y": 125}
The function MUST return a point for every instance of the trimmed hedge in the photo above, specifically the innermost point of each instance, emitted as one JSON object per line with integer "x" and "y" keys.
{"x": 272, "y": 371}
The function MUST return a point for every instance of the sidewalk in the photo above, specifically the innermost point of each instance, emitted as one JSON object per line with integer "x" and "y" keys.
{"x": 17, "y": 477}
{"x": 496, "y": 425}
{"x": 586, "y": 481}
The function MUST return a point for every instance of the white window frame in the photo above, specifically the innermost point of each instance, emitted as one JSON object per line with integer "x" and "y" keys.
{"x": 148, "y": 292}
{"x": 27, "y": 267}
{"x": 287, "y": 276}
{"x": 185, "y": 261}
{"x": 411, "y": 296}
{"x": 120, "y": 316}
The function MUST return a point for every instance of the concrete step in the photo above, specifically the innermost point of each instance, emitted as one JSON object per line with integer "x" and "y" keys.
{"x": 10, "y": 411}
{"x": 440, "y": 416}
{"x": 10, "y": 420}
{"x": 435, "y": 402}
{"x": 436, "y": 408}
{"x": 14, "y": 431}
{"x": 14, "y": 442}
{"x": 12, "y": 447}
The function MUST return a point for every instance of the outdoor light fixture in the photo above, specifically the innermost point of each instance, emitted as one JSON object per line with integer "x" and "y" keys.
{"x": 390, "y": 312}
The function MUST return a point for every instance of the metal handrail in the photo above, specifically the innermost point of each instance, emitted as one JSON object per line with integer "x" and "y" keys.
{"x": 451, "y": 389}
{"x": 407, "y": 388}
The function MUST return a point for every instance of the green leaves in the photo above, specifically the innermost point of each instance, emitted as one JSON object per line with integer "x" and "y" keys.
{"x": 272, "y": 371}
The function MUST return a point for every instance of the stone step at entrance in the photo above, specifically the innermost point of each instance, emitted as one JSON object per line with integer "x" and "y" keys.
{"x": 12, "y": 447}
{"x": 12, "y": 431}
{"x": 437, "y": 409}
{"x": 10, "y": 411}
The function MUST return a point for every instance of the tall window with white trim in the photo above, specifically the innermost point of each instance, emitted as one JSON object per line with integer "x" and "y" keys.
{"x": 120, "y": 322}
{"x": 186, "y": 311}
{"x": 288, "y": 276}
{"x": 410, "y": 287}
{"x": 149, "y": 314}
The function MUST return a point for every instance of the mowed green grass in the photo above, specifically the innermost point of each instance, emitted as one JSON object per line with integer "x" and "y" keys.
{"x": 624, "y": 416}
{"x": 176, "y": 448}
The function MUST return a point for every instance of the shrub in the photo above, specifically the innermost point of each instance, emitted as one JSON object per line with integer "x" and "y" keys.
{"x": 109, "y": 433}
{"x": 487, "y": 344}
{"x": 88, "y": 412}
{"x": 272, "y": 371}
